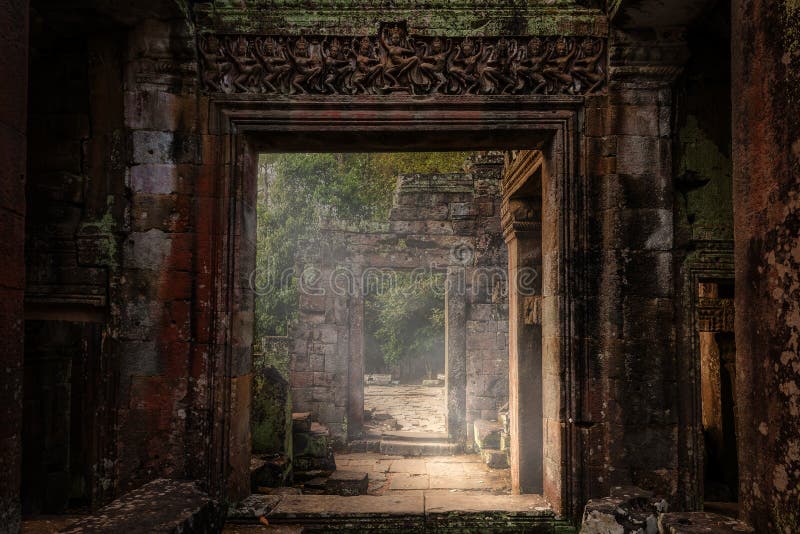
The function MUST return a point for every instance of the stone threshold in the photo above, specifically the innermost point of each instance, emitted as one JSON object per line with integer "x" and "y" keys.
{"x": 439, "y": 512}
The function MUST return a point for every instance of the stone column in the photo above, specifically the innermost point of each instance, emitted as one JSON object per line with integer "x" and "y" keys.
{"x": 524, "y": 239}
{"x": 766, "y": 180}
{"x": 184, "y": 408}
{"x": 455, "y": 349}
{"x": 629, "y": 158}
{"x": 13, "y": 151}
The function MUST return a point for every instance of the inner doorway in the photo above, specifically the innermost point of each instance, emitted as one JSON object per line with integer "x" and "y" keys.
{"x": 401, "y": 319}
{"x": 717, "y": 353}
{"x": 404, "y": 356}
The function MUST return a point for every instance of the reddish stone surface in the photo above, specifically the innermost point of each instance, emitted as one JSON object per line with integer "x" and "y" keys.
{"x": 766, "y": 151}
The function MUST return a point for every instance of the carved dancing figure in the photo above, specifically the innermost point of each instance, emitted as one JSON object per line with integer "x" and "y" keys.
{"x": 215, "y": 65}
{"x": 336, "y": 65}
{"x": 494, "y": 67}
{"x": 276, "y": 65}
{"x": 559, "y": 62}
{"x": 367, "y": 65}
{"x": 399, "y": 59}
{"x": 434, "y": 62}
{"x": 463, "y": 64}
{"x": 248, "y": 68}
{"x": 587, "y": 66}
{"x": 531, "y": 64}
{"x": 306, "y": 66}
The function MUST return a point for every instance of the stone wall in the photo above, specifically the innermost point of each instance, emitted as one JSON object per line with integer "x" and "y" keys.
{"x": 766, "y": 179}
{"x": 436, "y": 221}
{"x": 13, "y": 128}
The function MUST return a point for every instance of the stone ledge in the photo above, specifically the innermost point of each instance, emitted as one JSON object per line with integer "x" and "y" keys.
{"x": 162, "y": 505}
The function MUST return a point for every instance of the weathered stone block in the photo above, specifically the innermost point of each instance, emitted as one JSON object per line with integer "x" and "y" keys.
{"x": 301, "y": 422}
{"x": 159, "y": 506}
{"x": 270, "y": 472}
{"x": 700, "y": 522}
{"x": 347, "y": 483}
{"x": 487, "y": 434}
{"x": 494, "y": 458}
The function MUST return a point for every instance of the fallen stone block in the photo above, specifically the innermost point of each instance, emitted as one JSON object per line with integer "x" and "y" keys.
{"x": 628, "y": 509}
{"x": 487, "y": 434}
{"x": 270, "y": 472}
{"x": 700, "y": 522}
{"x": 313, "y": 463}
{"x": 162, "y": 505}
{"x": 377, "y": 380}
{"x": 347, "y": 483}
{"x": 494, "y": 458}
{"x": 318, "y": 483}
{"x": 312, "y": 443}
{"x": 301, "y": 422}
{"x": 252, "y": 508}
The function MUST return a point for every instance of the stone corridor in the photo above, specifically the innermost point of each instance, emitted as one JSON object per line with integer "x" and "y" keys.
{"x": 413, "y": 408}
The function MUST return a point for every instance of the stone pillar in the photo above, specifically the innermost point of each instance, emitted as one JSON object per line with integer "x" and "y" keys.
{"x": 455, "y": 350}
{"x": 182, "y": 407}
{"x": 13, "y": 127}
{"x": 355, "y": 367}
{"x": 766, "y": 179}
{"x": 629, "y": 154}
{"x": 522, "y": 230}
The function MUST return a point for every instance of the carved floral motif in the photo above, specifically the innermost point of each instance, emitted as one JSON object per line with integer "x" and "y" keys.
{"x": 394, "y": 62}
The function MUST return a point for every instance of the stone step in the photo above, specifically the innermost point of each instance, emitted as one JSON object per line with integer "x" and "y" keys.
{"x": 159, "y": 506}
{"x": 418, "y": 448}
{"x": 456, "y": 513}
{"x": 426, "y": 437}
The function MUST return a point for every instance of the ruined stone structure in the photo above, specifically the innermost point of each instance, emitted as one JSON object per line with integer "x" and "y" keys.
{"x": 439, "y": 223}
{"x": 653, "y": 149}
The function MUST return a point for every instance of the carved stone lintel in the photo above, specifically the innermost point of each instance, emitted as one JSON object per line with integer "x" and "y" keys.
{"x": 395, "y": 62}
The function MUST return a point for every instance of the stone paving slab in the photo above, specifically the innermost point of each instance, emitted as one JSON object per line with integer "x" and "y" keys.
{"x": 462, "y": 473}
{"x": 527, "y": 505}
{"x": 335, "y": 506}
{"x": 415, "y": 408}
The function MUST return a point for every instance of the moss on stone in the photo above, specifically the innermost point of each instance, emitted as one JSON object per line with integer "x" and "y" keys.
{"x": 708, "y": 208}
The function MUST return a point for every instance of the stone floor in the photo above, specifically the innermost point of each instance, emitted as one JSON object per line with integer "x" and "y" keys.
{"x": 415, "y": 408}
{"x": 396, "y": 475}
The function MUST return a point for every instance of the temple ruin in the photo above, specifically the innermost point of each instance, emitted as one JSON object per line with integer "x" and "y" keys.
{"x": 637, "y": 188}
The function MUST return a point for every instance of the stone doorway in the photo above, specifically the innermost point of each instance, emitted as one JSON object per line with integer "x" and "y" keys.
{"x": 254, "y": 127}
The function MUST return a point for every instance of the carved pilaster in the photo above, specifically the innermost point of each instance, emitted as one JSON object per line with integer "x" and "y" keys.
{"x": 521, "y": 209}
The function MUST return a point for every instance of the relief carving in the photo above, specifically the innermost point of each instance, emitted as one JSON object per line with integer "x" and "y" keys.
{"x": 715, "y": 315}
{"x": 395, "y": 62}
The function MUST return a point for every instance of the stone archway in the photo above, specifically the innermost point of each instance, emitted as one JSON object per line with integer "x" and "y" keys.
{"x": 247, "y": 126}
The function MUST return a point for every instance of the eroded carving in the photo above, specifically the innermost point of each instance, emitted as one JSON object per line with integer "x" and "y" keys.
{"x": 395, "y": 62}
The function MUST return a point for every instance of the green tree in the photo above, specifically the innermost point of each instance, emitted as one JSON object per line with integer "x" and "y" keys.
{"x": 407, "y": 319}
{"x": 295, "y": 189}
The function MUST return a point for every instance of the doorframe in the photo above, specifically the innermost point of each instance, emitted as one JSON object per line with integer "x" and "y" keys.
{"x": 241, "y": 126}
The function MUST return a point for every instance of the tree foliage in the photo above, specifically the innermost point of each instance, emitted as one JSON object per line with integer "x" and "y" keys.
{"x": 407, "y": 319}
{"x": 295, "y": 189}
